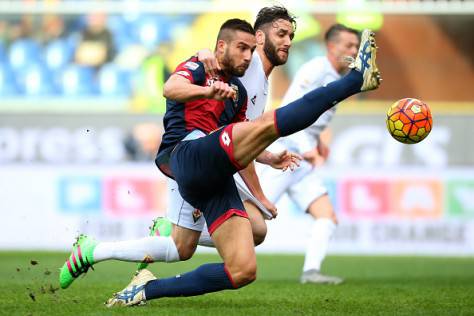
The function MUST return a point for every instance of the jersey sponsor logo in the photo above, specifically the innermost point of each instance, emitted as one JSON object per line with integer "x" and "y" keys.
{"x": 183, "y": 73}
{"x": 196, "y": 215}
{"x": 210, "y": 81}
{"x": 254, "y": 99}
{"x": 191, "y": 65}
{"x": 225, "y": 138}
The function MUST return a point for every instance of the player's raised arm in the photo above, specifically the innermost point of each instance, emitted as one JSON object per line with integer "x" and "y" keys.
{"x": 182, "y": 89}
{"x": 249, "y": 175}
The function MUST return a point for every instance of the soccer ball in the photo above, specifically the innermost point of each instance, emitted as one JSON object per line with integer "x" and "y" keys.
{"x": 409, "y": 120}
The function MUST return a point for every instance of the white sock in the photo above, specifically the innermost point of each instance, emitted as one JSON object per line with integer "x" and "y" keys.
{"x": 317, "y": 247}
{"x": 205, "y": 239}
{"x": 155, "y": 248}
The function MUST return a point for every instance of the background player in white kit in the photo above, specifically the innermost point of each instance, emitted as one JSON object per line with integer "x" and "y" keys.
{"x": 303, "y": 186}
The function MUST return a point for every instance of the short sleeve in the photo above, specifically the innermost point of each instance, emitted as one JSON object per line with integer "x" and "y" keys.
{"x": 193, "y": 70}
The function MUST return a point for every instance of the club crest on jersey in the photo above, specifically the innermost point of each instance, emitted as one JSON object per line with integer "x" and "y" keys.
{"x": 196, "y": 215}
{"x": 191, "y": 65}
{"x": 236, "y": 89}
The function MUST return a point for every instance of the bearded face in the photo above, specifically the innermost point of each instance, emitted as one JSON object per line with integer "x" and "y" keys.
{"x": 277, "y": 43}
{"x": 232, "y": 64}
{"x": 271, "y": 51}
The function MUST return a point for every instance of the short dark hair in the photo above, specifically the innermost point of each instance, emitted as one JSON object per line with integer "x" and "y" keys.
{"x": 232, "y": 25}
{"x": 271, "y": 14}
{"x": 333, "y": 32}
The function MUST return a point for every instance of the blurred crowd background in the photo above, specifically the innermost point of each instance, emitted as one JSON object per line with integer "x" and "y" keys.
{"x": 102, "y": 53}
{"x": 81, "y": 108}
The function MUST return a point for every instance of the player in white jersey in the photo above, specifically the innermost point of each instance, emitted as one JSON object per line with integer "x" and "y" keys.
{"x": 303, "y": 186}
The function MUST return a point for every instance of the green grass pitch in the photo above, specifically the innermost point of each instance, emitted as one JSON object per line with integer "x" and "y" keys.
{"x": 374, "y": 286}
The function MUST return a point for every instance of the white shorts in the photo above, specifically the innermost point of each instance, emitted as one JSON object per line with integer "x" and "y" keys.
{"x": 182, "y": 214}
{"x": 303, "y": 185}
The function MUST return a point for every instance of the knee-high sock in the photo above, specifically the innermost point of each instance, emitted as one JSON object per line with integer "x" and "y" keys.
{"x": 317, "y": 247}
{"x": 156, "y": 248}
{"x": 211, "y": 277}
{"x": 304, "y": 111}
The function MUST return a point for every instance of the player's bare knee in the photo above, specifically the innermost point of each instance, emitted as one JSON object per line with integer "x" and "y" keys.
{"x": 185, "y": 241}
{"x": 185, "y": 250}
{"x": 185, "y": 254}
{"x": 259, "y": 235}
{"x": 245, "y": 274}
{"x": 242, "y": 269}
{"x": 259, "y": 231}
{"x": 259, "y": 226}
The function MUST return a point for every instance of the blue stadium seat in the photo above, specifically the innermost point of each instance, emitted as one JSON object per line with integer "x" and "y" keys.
{"x": 148, "y": 31}
{"x": 117, "y": 25}
{"x": 122, "y": 42}
{"x": 113, "y": 81}
{"x": 8, "y": 85}
{"x": 23, "y": 53}
{"x": 35, "y": 80}
{"x": 2, "y": 52}
{"x": 78, "y": 81}
{"x": 58, "y": 53}
{"x": 180, "y": 23}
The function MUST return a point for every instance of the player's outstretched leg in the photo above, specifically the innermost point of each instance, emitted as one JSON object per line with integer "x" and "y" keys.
{"x": 249, "y": 139}
{"x": 87, "y": 251}
{"x": 238, "y": 269}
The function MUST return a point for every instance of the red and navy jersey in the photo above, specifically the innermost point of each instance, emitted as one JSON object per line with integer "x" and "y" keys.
{"x": 206, "y": 115}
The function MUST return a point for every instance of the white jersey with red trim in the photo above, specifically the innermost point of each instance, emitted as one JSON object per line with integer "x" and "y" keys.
{"x": 256, "y": 83}
{"x": 315, "y": 73}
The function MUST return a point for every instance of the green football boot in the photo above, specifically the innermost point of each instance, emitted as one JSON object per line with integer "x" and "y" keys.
{"x": 80, "y": 260}
{"x": 161, "y": 227}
